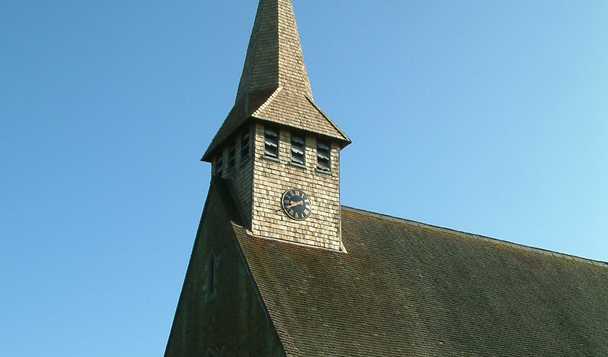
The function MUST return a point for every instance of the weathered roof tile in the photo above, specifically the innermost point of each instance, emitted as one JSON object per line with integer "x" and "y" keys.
{"x": 410, "y": 289}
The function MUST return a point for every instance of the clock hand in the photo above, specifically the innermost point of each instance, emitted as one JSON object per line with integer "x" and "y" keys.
{"x": 293, "y": 204}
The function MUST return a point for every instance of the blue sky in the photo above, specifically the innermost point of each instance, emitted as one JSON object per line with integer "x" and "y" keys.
{"x": 484, "y": 116}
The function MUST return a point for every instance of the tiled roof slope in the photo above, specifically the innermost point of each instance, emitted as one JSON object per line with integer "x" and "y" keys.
{"x": 409, "y": 289}
{"x": 274, "y": 85}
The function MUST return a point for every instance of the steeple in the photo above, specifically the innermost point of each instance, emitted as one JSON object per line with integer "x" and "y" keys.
{"x": 274, "y": 57}
{"x": 274, "y": 85}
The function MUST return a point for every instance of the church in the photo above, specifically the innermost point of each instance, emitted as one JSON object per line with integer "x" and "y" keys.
{"x": 280, "y": 268}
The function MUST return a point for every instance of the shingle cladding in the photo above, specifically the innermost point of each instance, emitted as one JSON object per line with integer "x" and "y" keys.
{"x": 409, "y": 289}
{"x": 292, "y": 109}
{"x": 274, "y": 56}
{"x": 223, "y": 316}
{"x": 274, "y": 85}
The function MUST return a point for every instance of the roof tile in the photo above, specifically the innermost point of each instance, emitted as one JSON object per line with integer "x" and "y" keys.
{"x": 410, "y": 289}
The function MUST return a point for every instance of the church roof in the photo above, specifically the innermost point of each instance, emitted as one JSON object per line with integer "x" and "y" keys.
{"x": 275, "y": 86}
{"x": 411, "y": 289}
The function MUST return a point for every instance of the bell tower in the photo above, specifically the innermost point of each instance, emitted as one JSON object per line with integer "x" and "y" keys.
{"x": 279, "y": 150}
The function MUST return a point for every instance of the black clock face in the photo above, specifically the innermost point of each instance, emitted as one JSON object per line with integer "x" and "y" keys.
{"x": 296, "y": 204}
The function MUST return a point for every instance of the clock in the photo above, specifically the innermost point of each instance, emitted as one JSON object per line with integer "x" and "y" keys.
{"x": 296, "y": 204}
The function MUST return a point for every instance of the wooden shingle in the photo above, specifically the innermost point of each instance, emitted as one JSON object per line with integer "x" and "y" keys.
{"x": 274, "y": 85}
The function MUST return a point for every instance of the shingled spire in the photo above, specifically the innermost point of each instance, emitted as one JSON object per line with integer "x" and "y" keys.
{"x": 274, "y": 85}
{"x": 274, "y": 57}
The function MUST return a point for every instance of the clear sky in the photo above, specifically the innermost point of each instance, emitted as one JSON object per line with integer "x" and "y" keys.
{"x": 483, "y": 116}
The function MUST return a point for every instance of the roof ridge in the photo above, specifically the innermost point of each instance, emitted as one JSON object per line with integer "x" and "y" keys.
{"x": 312, "y": 102}
{"x": 479, "y": 236}
{"x": 267, "y": 102}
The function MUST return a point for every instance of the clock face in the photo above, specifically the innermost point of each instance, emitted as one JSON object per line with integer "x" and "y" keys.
{"x": 296, "y": 204}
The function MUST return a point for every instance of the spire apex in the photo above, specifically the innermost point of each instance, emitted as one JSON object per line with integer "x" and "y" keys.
{"x": 274, "y": 56}
{"x": 274, "y": 85}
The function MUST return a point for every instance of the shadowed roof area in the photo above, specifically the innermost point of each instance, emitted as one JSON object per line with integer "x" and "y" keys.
{"x": 409, "y": 289}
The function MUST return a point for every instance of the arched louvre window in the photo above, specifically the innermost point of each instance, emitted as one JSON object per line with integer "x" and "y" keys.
{"x": 298, "y": 149}
{"x": 323, "y": 156}
{"x": 211, "y": 274}
{"x": 271, "y": 142}
{"x": 232, "y": 155}
{"x": 219, "y": 165}
{"x": 245, "y": 146}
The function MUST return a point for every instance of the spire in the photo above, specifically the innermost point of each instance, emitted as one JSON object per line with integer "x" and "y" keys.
{"x": 274, "y": 56}
{"x": 274, "y": 85}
